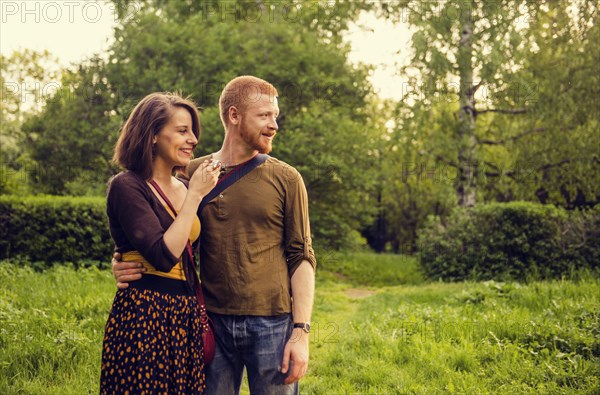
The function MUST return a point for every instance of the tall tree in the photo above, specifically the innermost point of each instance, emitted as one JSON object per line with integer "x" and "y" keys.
{"x": 492, "y": 57}
{"x": 460, "y": 46}
{"x": 525, "y": 128}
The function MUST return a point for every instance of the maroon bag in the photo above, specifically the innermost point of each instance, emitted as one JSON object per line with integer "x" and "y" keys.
{"x": 208, "y": 330}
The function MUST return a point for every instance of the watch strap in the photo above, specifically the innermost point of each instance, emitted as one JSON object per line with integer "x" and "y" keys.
{"x": 305, "y": 326}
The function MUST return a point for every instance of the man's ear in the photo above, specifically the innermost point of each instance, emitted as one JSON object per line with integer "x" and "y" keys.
{"x": 234, "y": 115}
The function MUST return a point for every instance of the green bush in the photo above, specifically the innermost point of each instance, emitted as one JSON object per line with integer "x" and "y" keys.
{"x": 52, "y": 229}
{"x": 517, "y": 240}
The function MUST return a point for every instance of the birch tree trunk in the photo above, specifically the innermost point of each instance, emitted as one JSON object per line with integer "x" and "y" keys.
{"x": 466, "y": 184}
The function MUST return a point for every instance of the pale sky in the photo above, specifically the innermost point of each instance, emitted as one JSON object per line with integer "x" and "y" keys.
{"x": 74, "y": 30}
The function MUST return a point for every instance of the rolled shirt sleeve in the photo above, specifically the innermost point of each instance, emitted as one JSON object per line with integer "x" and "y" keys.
{"x": 298, "y": 242}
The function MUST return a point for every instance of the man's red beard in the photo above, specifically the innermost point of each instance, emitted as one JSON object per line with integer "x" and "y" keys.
{"x": 254, "y": 140}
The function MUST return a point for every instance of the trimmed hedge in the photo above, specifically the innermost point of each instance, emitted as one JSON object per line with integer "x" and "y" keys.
{"x": 517, "y": 241}
{"x": 54, "y": 229}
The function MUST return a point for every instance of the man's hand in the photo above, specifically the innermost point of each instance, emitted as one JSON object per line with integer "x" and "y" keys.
{"x": 126, "y": 272}
{"x": 296, "y": 350}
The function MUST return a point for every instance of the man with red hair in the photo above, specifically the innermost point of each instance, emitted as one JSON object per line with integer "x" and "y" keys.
{"x": 256, "y": 258}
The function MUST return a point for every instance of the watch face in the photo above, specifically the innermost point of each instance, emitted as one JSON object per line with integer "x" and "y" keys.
{"x": 307, "y": 327}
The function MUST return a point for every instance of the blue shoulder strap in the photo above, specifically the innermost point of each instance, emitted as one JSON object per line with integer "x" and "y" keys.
{"x": 232, "y": 177}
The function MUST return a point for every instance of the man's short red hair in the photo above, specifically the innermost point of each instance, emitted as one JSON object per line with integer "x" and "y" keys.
{"x": 242, "y": 91}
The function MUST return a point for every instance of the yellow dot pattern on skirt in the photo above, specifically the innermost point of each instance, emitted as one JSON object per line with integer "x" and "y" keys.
{"x": 152, "y": 345}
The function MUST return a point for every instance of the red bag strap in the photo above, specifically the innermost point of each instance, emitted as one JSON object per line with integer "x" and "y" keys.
{"x": 196, "y": 279}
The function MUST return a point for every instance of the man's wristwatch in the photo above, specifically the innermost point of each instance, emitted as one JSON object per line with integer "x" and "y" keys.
{"x": 305, "y": 326}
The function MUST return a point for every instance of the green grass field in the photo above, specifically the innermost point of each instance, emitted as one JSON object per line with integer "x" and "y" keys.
{"x": 378, "y": 328}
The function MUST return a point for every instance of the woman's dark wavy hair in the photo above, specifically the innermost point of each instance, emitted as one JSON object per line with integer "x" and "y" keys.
{"x": 133, "y": 150}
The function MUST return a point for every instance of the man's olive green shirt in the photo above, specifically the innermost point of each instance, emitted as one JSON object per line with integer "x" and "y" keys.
{"x": 254, "y": 236}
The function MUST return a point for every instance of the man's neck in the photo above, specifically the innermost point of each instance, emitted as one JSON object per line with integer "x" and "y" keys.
{"x": 233, "y": 153}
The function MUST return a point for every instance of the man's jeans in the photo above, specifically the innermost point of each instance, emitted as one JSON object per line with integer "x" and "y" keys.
{"x": 256, "y": 343}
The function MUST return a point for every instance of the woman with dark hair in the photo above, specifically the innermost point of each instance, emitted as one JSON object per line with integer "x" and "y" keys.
{"x": 153, "y": 336}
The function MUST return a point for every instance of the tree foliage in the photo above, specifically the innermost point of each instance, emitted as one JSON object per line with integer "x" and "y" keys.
{"x": 500, "y": 104}
{"x": 169, "y": 46}
{"x": 72, "y": 139}
{"x": 27, "y": 77}
{"x": 553, "y": 147}
{"x": 515, "y": 117}
{"x": 520, "y": 55}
